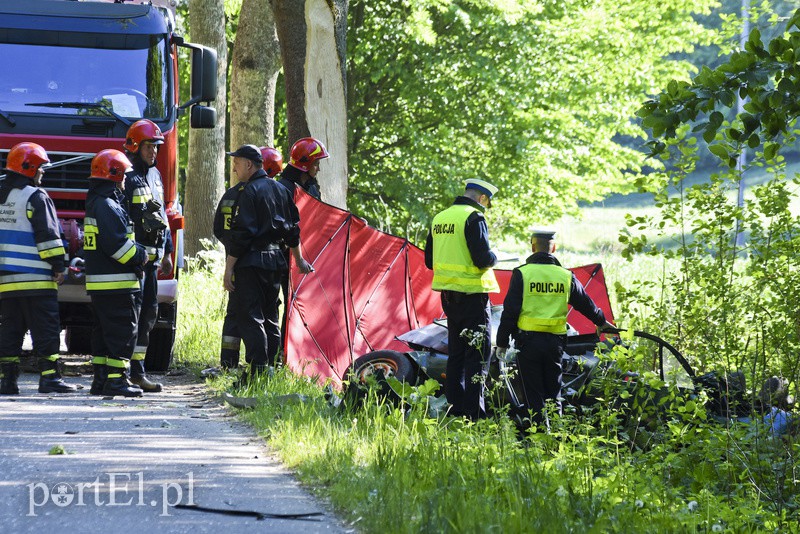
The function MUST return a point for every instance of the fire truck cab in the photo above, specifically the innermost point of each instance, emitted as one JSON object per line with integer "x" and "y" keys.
{"x": 75, "y": 76}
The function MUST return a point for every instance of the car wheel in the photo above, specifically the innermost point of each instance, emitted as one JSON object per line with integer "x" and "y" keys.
{"x": 384, "y": 364}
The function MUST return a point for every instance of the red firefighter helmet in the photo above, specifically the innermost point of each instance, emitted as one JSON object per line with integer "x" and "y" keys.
{"x": 26, "y": 159}
{"x": 305, "y": 152}
{"x": 110, "y": 164}
{"x": 142, "y": 131}
{"x": 272, "y": 161}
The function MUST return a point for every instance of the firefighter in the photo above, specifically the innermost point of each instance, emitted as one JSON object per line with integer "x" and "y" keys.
{"x": 272, "y": 162}
{"x": 304, "y": 160}
{"x": 535, "y": 315}
{"x": 32, "y": 264}
{"x": 458, "y": 251}
{"x": 144, "y": 192}
{"x": 265, "y": 219}
{"x": 114, "y": 267}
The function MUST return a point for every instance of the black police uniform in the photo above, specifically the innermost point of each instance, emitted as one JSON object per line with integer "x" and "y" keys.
{"x": 31, "y": 252}
{"x": 231, "y": 339}
{"x": 290, "y": 179}
{"x": 265, "y": 221}
{"x": 142, "y": 185}
{"x": 114, "y": 263}
{"x": 468, "y": 311}
{"x": 540, "y": 353}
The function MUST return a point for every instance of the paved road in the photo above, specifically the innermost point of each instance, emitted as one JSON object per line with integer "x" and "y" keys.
{"x": 127, "y": 462}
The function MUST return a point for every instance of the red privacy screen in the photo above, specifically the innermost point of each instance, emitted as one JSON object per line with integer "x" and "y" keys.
{"x": 367, "y": 288}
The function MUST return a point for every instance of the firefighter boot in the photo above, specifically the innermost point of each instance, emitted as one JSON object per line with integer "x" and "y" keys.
{"x": 8, "y": 382}
{"x": 100, "y": 374}
{"x": 251, "y": 375}
{"x": 229, "y": 352}
{"x": 50, "y": 380}
{"x": 139, "y": 377}
{"x": 117, "y": 383}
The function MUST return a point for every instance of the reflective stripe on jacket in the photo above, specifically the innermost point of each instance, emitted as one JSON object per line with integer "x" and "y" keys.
{"x": 453, "y": 268}
{"x": 22, "y": 259}
{"x": 545, "y": 296}
{"x": 113, "y": 258}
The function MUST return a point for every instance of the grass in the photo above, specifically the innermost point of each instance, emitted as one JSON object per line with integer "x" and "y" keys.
{"x": 395, "y": 470}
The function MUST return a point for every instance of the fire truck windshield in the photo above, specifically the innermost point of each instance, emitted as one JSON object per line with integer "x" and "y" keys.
{"x": 132, "y": 83}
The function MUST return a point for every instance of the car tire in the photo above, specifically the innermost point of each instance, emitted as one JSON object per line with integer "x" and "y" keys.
{"x": 384, "y": 364}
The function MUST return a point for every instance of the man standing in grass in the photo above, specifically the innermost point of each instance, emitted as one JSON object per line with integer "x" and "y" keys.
{"x": 535, "y": 315}
{"x": 272, "y": 162}
{"x": 458, "y": 251}
{"x": 264, "y": 220}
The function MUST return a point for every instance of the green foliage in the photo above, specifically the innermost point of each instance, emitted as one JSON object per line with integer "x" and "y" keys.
{"x": 533, "y": 95}
{"x": 201, "y": 311}
{"x": 732, "y": 301}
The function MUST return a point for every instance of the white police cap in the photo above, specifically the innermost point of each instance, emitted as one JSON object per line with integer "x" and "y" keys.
{"x": 481, "y": 185}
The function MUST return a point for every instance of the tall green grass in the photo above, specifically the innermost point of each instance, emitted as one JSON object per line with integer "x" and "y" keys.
{"x": 395, "y": 470}
{"x": 201, "y": 310}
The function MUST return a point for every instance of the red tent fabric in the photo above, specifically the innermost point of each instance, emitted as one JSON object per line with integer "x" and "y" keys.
{"x": 367, "y": 288}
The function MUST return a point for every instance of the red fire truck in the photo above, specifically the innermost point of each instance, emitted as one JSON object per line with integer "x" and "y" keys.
{"x": 75, "y": 76}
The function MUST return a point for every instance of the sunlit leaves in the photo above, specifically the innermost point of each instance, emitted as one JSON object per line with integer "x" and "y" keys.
{"x": 532, "y": 95}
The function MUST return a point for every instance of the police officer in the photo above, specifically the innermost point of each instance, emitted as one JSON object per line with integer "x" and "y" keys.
{"x": 265, "y": 219}
{"x": 304, "y": 161}
{"x": 144, "y": 192}
{"x": 272, "y": 162}
{"x": 458, "y": 251}
{"x": 535, "y": 315}
{"x": 114, "y": 266}
{"x": 32, "y": 263}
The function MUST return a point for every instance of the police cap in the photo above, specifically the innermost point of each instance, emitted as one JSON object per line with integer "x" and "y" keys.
{"x": 542, "y": 233}
{"x": 481, "y": 185}
{"x": 250, "y": 152}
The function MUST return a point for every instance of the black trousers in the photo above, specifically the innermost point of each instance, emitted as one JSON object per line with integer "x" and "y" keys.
{"x": 148, "y": 305}
{"x": 229, "y": 351}
{"x": 466, "y": 359}
{"x": 255, "y": 305}
{"x": 39, "y": 314}
{"x": 539, "y": 361}
{"x": 116, "y": 316}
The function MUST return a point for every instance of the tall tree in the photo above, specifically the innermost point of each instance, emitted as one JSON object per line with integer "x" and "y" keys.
{"x": 534, "y": 95}
{"x": 312, "y": 36}
{"x": 206, "y": 167}
{"x": 254, "y": 75}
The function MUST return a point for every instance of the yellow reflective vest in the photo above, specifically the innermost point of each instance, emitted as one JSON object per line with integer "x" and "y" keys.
{"x": 453, "y": 268}
{"x": 545, "y": 296}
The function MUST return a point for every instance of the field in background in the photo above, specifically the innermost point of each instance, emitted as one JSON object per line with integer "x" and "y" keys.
{"x": 594, "y": 236}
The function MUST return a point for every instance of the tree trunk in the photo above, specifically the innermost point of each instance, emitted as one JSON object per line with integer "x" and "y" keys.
{"x": 206, "y": 167}
{"x": 312, "y": 37}
{"x": 254, "y": 74}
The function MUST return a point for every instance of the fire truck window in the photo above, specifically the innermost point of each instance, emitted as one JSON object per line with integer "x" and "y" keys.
{"x": 74, "y": 74}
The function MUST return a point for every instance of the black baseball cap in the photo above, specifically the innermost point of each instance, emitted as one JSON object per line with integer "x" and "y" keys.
{"x": 250, "y": 152}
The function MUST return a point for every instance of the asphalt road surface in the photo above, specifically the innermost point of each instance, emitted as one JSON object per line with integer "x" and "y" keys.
{"x": 76, "y": 461}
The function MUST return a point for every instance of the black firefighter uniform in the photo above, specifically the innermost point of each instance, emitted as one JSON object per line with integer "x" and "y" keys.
{"x": 31, "y": 251}
{"x": 114, "y": 263}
